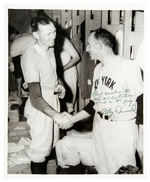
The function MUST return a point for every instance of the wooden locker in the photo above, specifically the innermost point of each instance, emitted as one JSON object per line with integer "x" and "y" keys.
{"x": 111, "y": 21}
{"x": 133, "y": 33}
{"x": 92, "y": 21}
{"x": 56, "y": 16}
{"x": 66, "y": 19}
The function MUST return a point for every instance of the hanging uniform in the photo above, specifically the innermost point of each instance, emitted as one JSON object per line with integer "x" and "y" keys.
{"x": 86, "y": 75}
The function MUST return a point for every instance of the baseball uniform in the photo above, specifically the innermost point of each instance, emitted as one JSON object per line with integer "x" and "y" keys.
{"x": 114, "y": 93}
{"x": 40, "y": 66}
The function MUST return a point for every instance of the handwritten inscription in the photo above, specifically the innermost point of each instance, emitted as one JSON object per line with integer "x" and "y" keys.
{"x": 116, "y": 102}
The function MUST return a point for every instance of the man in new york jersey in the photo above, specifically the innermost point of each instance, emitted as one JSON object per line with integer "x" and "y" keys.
{"x": 117, "y": 83}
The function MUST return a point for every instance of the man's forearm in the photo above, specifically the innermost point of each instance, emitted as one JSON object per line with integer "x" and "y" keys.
{"x": 50, "y": 111}
{"x": 85, "y": 113}
{"x": 38, "y": 101}
{"x": 80, "y": 116}
{"x": 71, "y": 63}
{"x": 40, "y": 104}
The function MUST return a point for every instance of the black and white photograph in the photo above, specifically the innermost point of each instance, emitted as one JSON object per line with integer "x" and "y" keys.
{"x": 75, "y": 91}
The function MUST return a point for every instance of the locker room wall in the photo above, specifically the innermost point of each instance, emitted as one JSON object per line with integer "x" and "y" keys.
{"x": 128, "y": 26}
{"x": 133, "y": 33}
{"x": 19, "y": 19}
{"x": 130, "y": 23}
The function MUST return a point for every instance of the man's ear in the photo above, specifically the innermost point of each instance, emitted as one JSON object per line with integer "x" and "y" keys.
{"x": 35, "y": 34}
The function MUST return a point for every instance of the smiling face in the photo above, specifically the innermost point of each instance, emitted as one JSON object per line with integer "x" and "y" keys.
{"x": 46, "y": 34}
{"x": 93, "y": 47}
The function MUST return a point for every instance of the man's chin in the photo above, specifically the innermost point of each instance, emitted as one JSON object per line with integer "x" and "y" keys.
{"x": 51, "y": 45}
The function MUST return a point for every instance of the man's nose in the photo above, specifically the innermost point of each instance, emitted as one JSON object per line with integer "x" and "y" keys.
{"x": 54, "y": 35}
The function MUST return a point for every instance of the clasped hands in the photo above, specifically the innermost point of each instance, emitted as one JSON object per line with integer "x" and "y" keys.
{"x": 64, "y": 120}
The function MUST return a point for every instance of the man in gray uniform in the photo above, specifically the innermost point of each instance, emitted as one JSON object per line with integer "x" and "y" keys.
{"x": 39, "y": 71}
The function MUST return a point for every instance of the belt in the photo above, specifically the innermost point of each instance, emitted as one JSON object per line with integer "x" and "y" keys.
{"x": 106, "y": 117}
{"x": 103, "y": 116}
{"x": 57, "y": 93}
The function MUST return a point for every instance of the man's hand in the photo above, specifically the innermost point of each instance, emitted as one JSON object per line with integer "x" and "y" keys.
{"x": 64, "y": 120}
{"x": 61, "y": 91}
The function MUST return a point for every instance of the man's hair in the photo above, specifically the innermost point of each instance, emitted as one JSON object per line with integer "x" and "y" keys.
{"x": 40, "y": 19}
{"x": 107, "y": 39}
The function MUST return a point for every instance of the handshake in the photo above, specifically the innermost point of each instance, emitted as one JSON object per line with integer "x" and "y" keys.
{"x": 64, "y": 120}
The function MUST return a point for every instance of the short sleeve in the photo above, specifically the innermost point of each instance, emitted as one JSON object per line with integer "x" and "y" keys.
{"x": 30, "y": 68}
